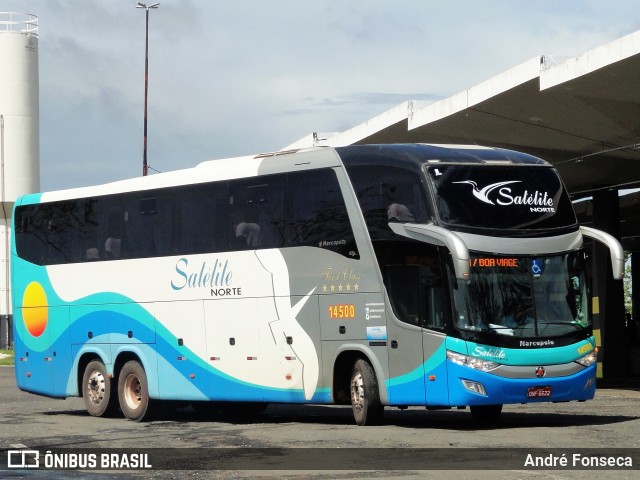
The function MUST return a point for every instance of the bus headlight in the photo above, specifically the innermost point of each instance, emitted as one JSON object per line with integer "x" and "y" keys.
{"x": 589, "y": 359}
{"x": 471, "y": 362}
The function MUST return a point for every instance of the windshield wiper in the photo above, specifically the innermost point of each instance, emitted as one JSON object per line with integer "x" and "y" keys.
{"x": 578, "y": 325}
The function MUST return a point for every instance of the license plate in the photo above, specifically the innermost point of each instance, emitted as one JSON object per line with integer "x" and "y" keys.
{"x": 539, "y": 392}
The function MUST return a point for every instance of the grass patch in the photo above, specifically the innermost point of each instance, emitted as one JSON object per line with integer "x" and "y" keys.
{"x": 6, "y": 360}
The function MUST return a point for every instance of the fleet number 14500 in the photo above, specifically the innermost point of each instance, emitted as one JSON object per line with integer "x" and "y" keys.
{"x": 342, "y": 311}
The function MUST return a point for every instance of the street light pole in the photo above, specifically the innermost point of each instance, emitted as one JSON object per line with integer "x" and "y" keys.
{"x": 145, "y": 168}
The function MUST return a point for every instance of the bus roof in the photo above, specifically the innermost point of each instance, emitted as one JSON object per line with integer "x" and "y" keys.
{"x": 208, "y": 171}
{"x": 410, "y": 155}
{"x": 416, "y": 154}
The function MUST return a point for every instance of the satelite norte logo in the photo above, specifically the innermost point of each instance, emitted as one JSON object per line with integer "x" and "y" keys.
{"x": 498, "y": 193}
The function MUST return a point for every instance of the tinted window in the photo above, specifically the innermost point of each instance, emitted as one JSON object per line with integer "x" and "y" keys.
{"x": 317, "y": 213}
{"x": 202, "y": 218}
{"x": 256, "y": 212}
{"x": 271, "y": 211}
{"x": 500, "y": 197}
{"x": 387, "y": 194}
{"x": 413, "y": 276}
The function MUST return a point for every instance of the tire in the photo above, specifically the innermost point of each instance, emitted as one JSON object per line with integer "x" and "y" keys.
{"x": 133, "y": 392}
{"x": 365, "y": 397}
{"x": 98, "y": 392}
{"x": 486, "y": 414}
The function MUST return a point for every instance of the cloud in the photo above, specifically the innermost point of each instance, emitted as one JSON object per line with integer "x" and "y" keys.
{"x": 234, "y": 78}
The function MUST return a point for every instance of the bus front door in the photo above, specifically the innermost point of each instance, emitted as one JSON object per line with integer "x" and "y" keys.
{"x": 417, "y": 366}
{"x": 405, "y": 385}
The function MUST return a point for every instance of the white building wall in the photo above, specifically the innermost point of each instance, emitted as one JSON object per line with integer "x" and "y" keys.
{"x": 19, "y": 135}
{"x": 19, "y": 106}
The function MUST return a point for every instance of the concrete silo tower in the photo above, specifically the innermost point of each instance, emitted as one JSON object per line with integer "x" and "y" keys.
{"x": 19, "y": 135}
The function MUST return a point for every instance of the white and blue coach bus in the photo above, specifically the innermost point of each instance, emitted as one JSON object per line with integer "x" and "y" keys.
{"x": 380, "y": 275}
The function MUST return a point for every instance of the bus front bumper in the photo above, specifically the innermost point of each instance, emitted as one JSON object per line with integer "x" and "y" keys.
{"x": 468, "y": 386}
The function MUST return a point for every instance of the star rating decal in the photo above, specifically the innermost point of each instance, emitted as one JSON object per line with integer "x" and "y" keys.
{"x": 340, "y": 287}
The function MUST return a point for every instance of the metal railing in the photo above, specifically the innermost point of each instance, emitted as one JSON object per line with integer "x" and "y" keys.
{"x": 25, "y": 23}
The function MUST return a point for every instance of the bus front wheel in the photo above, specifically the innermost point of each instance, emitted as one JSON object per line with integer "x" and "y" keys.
{"x": 133, "y": 392}
{"x": 365, "y": 398}
{"x": 97, "y": 390}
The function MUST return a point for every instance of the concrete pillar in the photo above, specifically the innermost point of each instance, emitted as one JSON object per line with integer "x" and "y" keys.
{"x": 634, "y": 334}
{"x": 608, "y": 302}
{"x": 635, "y": 286}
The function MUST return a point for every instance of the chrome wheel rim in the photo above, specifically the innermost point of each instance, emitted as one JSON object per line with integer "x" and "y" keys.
{"x": 132, "y": 391}
{"x": 96, "y": 387}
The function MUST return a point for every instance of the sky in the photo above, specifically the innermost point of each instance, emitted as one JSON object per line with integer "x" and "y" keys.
{"x": 248, "y": 76}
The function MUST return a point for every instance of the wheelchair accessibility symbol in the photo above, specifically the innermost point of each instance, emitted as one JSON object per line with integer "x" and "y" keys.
{"x": 536, "y": 267}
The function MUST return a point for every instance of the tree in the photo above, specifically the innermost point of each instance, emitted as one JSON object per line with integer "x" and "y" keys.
{"x": 627, "y": 283}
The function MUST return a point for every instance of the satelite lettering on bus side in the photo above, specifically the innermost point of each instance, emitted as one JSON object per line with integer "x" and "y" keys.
{"x": 216, "y": 275}
{"x": 497, "y": 353}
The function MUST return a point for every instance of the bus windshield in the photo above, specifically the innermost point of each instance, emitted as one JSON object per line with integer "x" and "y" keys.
{"x": 501, "y": 197}
{"x": 524, "y": 296}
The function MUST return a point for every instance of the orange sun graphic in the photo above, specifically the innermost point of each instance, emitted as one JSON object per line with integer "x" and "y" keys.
{"x": 35, "y": 312}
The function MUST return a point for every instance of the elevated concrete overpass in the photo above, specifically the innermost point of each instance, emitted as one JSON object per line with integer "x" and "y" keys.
{"x": 582, "y": 114}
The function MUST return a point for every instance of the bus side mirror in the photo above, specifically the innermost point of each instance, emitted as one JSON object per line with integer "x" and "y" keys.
{"x": 615, "y": 249}
{"x": 435, "y": 235}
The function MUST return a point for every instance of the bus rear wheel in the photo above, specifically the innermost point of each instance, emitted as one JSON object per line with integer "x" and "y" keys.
{"x": 133, "y": 392}
{"x": 365, "y": 397}
{"x": 97, "y": 390}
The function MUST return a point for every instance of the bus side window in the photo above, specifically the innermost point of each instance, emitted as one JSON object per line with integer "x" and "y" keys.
{"x": 88, "y": 229}
{"x": 435, "y": 306}
{"x": 403, "y": 287}
{"x": 317, "y": 214}
{"x": 388, "y": 194}
{"x": 416, "y": 295}
{"x": 200, "y": 213}
{"x": 257, "y": 212}
{"x": 31, "y": 233}
{"x": 111, "y": 228}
